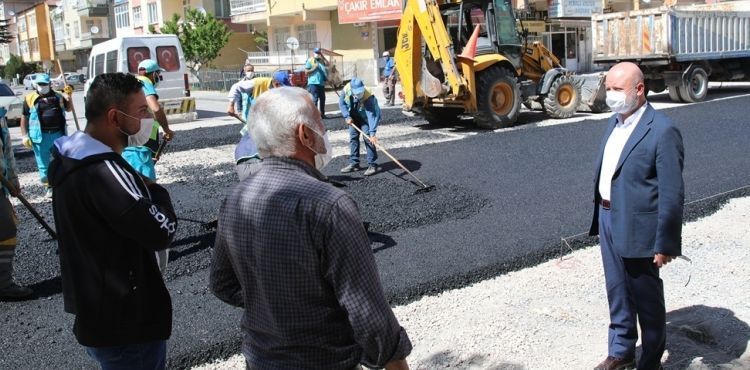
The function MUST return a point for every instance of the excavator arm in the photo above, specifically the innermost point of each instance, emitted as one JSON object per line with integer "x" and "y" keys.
{"x": 422, "y": 20}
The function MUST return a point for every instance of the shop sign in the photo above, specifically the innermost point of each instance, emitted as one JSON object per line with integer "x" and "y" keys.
{"x": 533, "y": 26}
{"x": 357, "y": 11}
{"x": 573, "y": 8}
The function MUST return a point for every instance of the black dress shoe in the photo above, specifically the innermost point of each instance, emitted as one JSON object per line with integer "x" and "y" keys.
{"x": 614, "y": 363}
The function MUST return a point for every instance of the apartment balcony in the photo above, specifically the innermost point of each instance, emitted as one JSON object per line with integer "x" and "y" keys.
{"x": 60, "y": 45}
{"x": 93, "y": 8}
{"x": 89, "y": 39}
{"x": 248, "y": 11}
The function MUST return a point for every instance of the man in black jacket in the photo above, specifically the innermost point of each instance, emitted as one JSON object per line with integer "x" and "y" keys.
{"x": 110, "y": 222}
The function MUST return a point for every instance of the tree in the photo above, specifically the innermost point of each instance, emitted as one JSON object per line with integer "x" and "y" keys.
{"x": 5, "y": 36}
{"x": 261, "y": 39}
{"x": 16, "y": 65}
{"x": 202, "y": 36}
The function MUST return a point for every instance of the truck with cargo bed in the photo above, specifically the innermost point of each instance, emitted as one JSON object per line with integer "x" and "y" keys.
{"x": 679, "y": 48}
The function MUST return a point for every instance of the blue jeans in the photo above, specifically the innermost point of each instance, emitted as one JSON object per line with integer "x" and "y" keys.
{"x": 318, "y": 95}
{"x": 372, "y": 155}
{"x": 142, "y": 356}
{"x": 43, "y": 153}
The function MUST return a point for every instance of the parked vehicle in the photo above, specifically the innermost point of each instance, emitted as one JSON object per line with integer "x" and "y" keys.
{"x": 12, "y": 102}
{"x": 680, "y": 48}
{"x": 28, "y": 81}
{"x": 122, "y": 54}
{"x": 489, "y": 82}
{"x": 76, "y": 80}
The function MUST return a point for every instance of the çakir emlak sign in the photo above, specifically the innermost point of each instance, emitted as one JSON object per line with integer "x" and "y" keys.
{"x": 356, "y": 11}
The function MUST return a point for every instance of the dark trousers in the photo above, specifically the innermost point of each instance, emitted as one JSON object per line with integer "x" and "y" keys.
{"x": 634, "y": 291}
{"x": 318, "y": 93}
{"x": 142, "y": 356}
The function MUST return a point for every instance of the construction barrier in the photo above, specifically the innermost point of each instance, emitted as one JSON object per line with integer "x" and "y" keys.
{"x": 180, "y": 108}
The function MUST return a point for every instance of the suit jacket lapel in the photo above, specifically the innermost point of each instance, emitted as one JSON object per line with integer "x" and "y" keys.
{"x": 642, "y": 128}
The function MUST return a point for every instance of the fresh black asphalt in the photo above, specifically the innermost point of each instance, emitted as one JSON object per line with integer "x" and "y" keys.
{"x": 502, "y": 201}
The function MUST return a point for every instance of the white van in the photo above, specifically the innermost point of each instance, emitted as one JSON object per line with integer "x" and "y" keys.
{"x": 122, "y": 54}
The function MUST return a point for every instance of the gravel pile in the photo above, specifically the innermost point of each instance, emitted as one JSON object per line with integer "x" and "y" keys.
{"x": 555, "y": 315}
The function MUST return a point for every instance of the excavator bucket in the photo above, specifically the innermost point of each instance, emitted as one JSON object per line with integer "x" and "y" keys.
{"x": 593, "y": 92}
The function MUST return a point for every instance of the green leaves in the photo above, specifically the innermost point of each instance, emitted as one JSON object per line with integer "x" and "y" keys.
{"x": 202, "y": 36}
{"x": 16, "y": 65}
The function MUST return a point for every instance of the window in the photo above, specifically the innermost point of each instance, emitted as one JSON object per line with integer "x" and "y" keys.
{"x": 112, "y": 61}
{"x": 59, "y": 30}
{"x": 307, "y": 36}
{"x": 222, "y": 9}
{"x": 98, "y": 64}
{"x": 76, "y": 29}
{"x": 137, "y": 19}
{"x": 167, "y": 58}
{"x": 67, "y": 30}
{"x": 122, "y": 16}
{"x": 135, "y": 56}
{"x": 6, "y": 91}
{"x": 507, "y": 32}
{"x": 153, "y": 13}
{"x": 22, "y": 24}
{"x": 24, "y": 47}
{"x": 34, "y": 45}
{"x": 280, "y": 34}
{"x": 32, "y": 21}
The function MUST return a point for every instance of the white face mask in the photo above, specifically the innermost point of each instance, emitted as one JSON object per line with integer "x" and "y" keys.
{"x": 249, "y": 75}
{"x": 358, "y": 97}
{"x": 322, "y": 159}
{"x": 43, "y": 89}
{"x": 620, "y": 101}
{"x": 144, "y": 132}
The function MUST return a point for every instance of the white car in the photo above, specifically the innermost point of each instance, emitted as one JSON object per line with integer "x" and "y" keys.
{"x": 12, "y": 102}
{"x": 74, "y": 79}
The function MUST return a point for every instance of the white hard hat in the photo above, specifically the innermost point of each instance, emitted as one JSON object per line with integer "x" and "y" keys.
{"x": 386, "y": 53}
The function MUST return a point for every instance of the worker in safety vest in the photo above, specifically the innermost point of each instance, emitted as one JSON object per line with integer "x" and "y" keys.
{"x": 141, "y": 156}
{"x": 241, "y": 96}
{"x": 43, "y": 121}
{"x": 360, "y": 107}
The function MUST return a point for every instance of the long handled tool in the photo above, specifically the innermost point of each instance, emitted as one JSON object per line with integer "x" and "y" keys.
{"x": 160, "y": 150}
{"x": 72, "y": 106}
{"x": 31, "y": 209}
{"x": 425, "y": 188}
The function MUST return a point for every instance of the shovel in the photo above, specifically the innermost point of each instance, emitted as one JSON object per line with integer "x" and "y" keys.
{"x": 425, "y": 188}
{"x": 31, "y": 209}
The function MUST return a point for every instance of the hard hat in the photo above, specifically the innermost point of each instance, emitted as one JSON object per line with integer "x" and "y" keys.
{"x": 149, "y": 65}
{"x": 386, "y": 53}
{"x": 316, "y": 50}
{"x": 42, "y": 79}
{"x": 358, "y": 87}
{"x": 282, "y": 77}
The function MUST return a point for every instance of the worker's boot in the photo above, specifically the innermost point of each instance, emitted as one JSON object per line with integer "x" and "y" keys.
{"x": 9, "y": 289}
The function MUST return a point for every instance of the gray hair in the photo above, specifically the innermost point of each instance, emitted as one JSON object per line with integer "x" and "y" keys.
{"x": 274, "y": 119}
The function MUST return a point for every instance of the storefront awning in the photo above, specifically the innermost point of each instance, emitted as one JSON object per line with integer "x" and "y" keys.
{"x": 358, "y": 11}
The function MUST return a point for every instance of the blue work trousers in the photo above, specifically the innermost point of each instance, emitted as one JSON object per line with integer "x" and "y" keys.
{"x": 635, "y": 292}
{"x": 142, "y": 356}
{"x": 318, "y": 93}
{"x": 372, "y": 155}
{"x": 43, "y": 153}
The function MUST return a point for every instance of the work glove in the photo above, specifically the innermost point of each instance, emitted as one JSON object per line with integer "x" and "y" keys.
{"x": 26, "y": 142}
{"x": 68, "y": 90}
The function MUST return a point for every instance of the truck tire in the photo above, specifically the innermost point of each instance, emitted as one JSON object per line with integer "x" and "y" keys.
{"x": 498, "y": 98}
{"x": 563, "y": 98}
{"x": 674, "y": 94}
{"x": 696, "y": 88}
{"x": 441, "y": 116}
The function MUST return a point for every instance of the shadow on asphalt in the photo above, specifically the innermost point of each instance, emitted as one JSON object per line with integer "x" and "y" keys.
{"x": 380, "y": 242}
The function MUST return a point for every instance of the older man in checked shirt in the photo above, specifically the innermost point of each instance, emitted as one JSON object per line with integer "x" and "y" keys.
{"x": 291, "y": 249}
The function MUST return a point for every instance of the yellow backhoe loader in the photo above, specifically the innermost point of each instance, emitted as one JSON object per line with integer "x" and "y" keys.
{"x": 493, "y": 76}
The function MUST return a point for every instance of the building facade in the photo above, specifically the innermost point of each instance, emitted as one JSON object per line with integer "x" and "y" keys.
{"x": 34, "y": 33}
{"x": 78, "y": 25}
{"x": 313, "y": 23}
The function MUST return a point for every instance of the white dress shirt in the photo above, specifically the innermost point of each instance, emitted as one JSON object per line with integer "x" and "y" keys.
{"x": 613, "y": 149}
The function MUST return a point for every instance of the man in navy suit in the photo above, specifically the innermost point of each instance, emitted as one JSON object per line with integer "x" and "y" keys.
{"x": 639, "y": 194}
